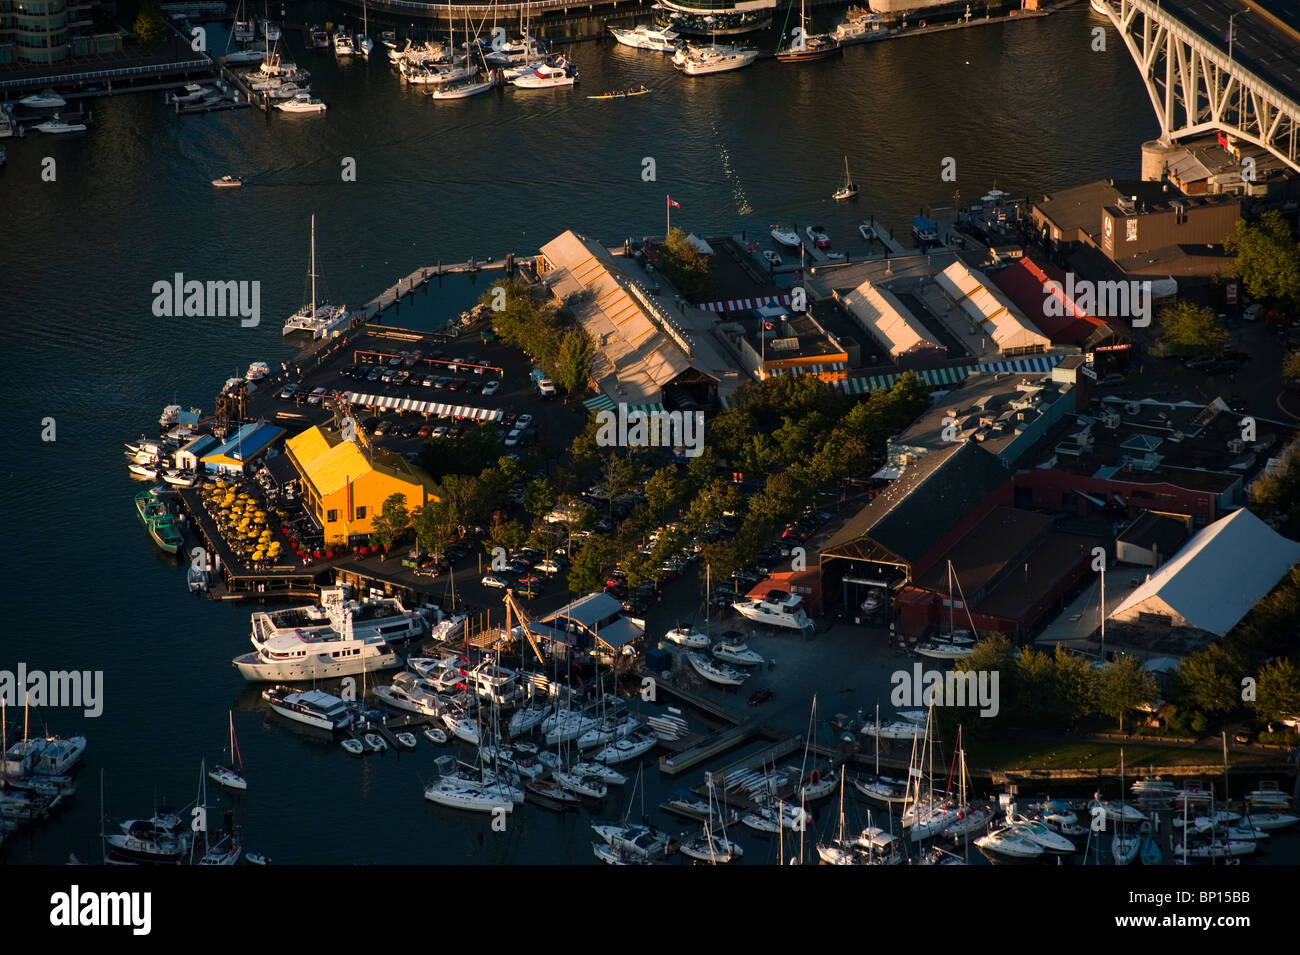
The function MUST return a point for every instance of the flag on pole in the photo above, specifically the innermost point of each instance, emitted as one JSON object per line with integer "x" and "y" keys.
{"x": 673, "y": 203}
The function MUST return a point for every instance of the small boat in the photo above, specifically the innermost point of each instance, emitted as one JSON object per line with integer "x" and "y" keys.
{"x": 687, "y": 637}
{"x": 550, "y": 794}
{"x": 1153, "y": 787}
{"x": 943, "y": 649}
{"x": 157, "y": 520}
{"x": 716, "y": 672}
{"x": 302, "y": 102}
{"x": 898, "y": 729}
{"x": 581, "y": 784}
{"x": 818, "y": 237}
{"x": 56, "y": 125}
{"x": 737, "y": 652}
{"x": 375, "y": 742}
{"x": 849, "y": 188}
{"x": 435, "y": 735}
{"x": 610, "y": 777}
{"x": 256, "y": 858}
{"x": 622, "y": 94}
{"x": 406, "y": 739}
{"x": 462, "y": 727}
{"x": 257, "y": 371}
{"x": 1268, "y": 821}
{"x": 548, "y": 75}
{"x": 882, "y": 788}
{"x": 180, "y": 478}
{"x": 1042, "y": 834}
{"x": 772, "y": 258}
{"x": 786, "y": 237}
{"x": 644, "y": 37}
{"x": 1218, "y": 849}
{"x": 867, "y": 231}
{"x": 628, "y": 748}
{"x": 46, "y": 99}
{"x": 1009, "y": 844}
{"x": 636, "y": 840}
{"x": 701, "y": 60}
{"x": 1268, "y": 794}
{"x": 462, "y": 92}
{"x": 612, "y": 856}
{"x": 353, "y": 746}
{"x": 768, "y": 819}
{"x": 227, "y": 776}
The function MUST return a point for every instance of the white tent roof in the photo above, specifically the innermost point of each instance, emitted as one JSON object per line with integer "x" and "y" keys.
{"x": 889, "y": 320}
{"x": 988, "y": 308}
{"x": 1217, "y": 577}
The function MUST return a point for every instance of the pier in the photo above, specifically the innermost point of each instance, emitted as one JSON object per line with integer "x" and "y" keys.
{"x": 421, "y": 277}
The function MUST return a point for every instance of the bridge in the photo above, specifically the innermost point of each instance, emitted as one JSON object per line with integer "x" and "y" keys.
{"x": 1230, "y": 66}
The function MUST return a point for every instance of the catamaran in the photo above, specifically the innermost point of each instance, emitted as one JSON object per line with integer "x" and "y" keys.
{"x": 317, "y": 317}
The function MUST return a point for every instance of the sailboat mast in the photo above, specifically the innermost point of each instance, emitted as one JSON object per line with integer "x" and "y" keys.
{"x": 313, "y": 265}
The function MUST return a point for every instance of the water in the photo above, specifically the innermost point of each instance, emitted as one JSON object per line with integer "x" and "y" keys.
{"x": 1027, "y": 106}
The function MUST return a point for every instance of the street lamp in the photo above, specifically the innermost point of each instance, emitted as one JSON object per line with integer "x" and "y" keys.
{"x": 1230, "y": 30}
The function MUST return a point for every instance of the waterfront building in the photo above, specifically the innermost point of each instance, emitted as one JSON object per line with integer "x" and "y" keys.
{"x": 898, "y": 333}
{"x": 235, "y": 455}
{"x": 344, "y": 484}
{"x": 45, "y": 32}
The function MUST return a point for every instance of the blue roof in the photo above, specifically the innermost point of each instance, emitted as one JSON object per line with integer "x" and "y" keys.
{"x": 922, "y": 222}
{"x": 197, "y": 446}
{"x": 248, "y": 442}
{"x": 190, "y": 418}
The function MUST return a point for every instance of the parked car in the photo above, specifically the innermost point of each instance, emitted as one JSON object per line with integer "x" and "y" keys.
{"x": 317, "y": 396}
{"x": 409, "y": 430}
{"x": 494, "y": 580}
{"x": 491, "y": 388}
{"x": 289, "y": 391}
{"x": 383, "y": 428}
{"x": 512, "y": 439}
{"x": 375, "y": 374}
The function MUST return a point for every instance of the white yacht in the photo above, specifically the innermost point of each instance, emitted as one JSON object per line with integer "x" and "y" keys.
{"x": 317, "y": 317}
{"x": 318, "y": 653}
{"x": 302, "y": 102}
{"x": 699, "y": 60}
{"x": 777, "y": 609}
{"x": 409, "y": 692}
{"x": 645, "y": 37}
{"x": 687, "y": 637}
{"x": 43, "y": 756}
{"x": 1037, "y": 832}
{"x": 460, "y": 792}
{"x": 384, "y": 617}
{"x": 770, "y": 819}
{"x": 462, "y": 726}
{"x": 311, "y": 707}
{"x": 257, "y": 371}
{"x": 787, "y": 237}
{"x": 547, "y": 75}
{"x": 640, "y": 841}
{"x": 608, "y": 730}
{"x": 711, "y": 848}
{"x": 45, "y": 99}
{"x": 716, "y": 672}
{"x": 462, "y": 91}
{"x": 568, "y": 727}
{"x": 271, "y": 31}
{"x": 1010, "y": 843}
{"x": 527, "y": 718}
{"x": 343, "y": 43}
{"x": 737, "y": 652}
{"x": 626, "y": 749}
{"x": 944, "y": 649}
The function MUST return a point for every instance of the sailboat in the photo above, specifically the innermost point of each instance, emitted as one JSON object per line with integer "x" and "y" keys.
{"x": 363, "y": 42}
{"x": 884, "y": 789}
{"x": 850, "y": 188}
{"x": 1124, "y": 848}
{"x": 803, "y": 47}
{"x": 229, "y": 776}
{"x": 317, "y": 316}
{"x": 953, "y": 645}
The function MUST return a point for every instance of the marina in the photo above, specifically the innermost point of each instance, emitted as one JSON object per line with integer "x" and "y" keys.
{"x": 378, "y": 525}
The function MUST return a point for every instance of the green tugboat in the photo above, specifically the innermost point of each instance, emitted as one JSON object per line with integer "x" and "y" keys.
{"x": 158, "y": 520}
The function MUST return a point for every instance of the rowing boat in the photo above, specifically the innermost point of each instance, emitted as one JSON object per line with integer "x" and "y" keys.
{"x": 621, "y": 94}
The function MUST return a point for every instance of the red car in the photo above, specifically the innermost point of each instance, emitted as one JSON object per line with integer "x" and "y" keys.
{"x": 425, "y": 430}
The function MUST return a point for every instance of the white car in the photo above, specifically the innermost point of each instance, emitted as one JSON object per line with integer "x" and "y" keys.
{"x": 492, "y": 580}
{"x": 491, "y": 388}
{"x": 524, "y": 421}
{"x": 439, "y": 432}
{"x": 317, "y": 396}
{"x": 512, "y": 439}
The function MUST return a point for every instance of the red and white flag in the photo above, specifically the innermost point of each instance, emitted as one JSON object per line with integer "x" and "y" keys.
{"x": 768, "y": 326}
{"x": 673, "y": 203}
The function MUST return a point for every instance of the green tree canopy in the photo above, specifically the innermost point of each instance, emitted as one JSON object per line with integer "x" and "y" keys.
{"x": 1191, "y": 329}
{"x": 686, "y": 267}
{"x": 392, "y": 521}
{"x": 1267, "y": 257}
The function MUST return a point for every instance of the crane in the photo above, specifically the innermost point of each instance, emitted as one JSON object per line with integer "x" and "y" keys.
{"x": 524, "y": 620}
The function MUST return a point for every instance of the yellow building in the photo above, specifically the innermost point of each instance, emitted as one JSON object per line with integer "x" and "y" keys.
{"x": 344, "y": 484}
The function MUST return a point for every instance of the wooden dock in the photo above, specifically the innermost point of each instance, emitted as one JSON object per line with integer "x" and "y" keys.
{"x": 423, "y": 276}
{"x": 712, "y": 745}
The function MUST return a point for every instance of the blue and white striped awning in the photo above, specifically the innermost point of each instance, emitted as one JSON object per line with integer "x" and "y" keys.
{"x": 941, "y": 377}
{"x": 424, "y": 407}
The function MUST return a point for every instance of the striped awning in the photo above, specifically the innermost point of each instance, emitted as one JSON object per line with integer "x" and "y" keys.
{"x": 745, "y": 304}
{"x": 828, "y": 368}
{"x": 606, "y": 403}
{"x": 942, "y": 377}
{"x": 424, "y": 407}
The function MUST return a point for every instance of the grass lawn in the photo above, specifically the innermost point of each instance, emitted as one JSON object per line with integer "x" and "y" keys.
{"x": 1087, "y": 754}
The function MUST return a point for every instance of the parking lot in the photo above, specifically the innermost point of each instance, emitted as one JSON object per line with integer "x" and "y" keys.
{"x": 480, "y": 386}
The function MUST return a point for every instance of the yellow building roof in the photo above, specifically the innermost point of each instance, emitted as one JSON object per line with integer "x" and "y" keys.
{"x": 329, "y": 463}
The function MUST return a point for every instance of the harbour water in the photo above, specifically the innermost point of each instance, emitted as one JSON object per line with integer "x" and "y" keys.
{"x": 1025, "y": 107}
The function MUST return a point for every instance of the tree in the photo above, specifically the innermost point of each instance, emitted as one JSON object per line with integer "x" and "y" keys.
{"x": 433, "y": 526}
{"x": 391, "y": 522}
{"x": 1210, "y": 680}
{"x": 573, "y": 364}
{"x": 1192, "y": 329}
{"x": 1125, "y": 685}
{"x": 1291, "y": 366}
{"x": 509, "y": 535}
{"x": 587, "y": 573}
{"x": 686, "y": 267}
{"x": 150, "y": 26}
{"x": 1267, "y": 257}
{"x": 1076, "y": 686}
{"x": 1277, "y": 694}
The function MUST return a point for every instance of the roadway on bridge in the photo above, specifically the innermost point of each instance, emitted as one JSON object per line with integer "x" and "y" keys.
{"x": 1259, "y": 45}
